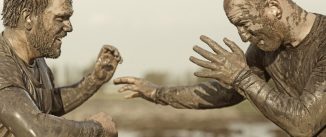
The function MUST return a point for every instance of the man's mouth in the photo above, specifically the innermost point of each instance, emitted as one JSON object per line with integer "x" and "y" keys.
{"x": 59, "y": 40}
{"x": 246, "y": 38}
{"x": 60, "y": 37}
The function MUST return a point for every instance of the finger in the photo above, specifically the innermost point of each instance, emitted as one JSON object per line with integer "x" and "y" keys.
{"x": 112, "y": 52}
{"x": 107, "y": 62}
{"x": 126, "y": 80}
{"x": 105, "y": 49}
{"x": 104, "y": 53}
{"x": 206, "y": 54}
{"x": 123, "y": 89}
{"x": 118, "y": 57}
{"x": 202, "y": 63}
{"x": 116, "y": 53}
{"x": 105, "y": 59}
{"x": 133, "y": 95}
{"x": 120, "y": 60}
{"x": 213, "y": 45}
{"x": 205, "y": 74}
{"x": 128, "y": 88}
{"x": 234, "y": 47}
{"x": 109, "y": 48}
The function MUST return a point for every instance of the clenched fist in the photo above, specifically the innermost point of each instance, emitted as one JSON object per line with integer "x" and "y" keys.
{"x": 106, "y": 64}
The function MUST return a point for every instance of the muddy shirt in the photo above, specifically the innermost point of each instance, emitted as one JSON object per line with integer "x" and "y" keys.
{"x": 28, "y": 100}
{"x": 297, "y": 103}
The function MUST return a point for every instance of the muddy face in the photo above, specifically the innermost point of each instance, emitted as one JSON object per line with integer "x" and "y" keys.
{"x": 257, "y": 23}
{"x": 51, "y": 26}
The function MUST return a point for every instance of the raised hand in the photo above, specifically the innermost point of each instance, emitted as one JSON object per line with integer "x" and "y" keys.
{"x": 106, "y": 63}
{"x": 222, "y": 65}
{"x": 140, "y": 88}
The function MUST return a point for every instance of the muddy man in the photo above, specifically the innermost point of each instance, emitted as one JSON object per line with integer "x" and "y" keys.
{"x": 288, "y": 46}
{"x": 30, "y": 104}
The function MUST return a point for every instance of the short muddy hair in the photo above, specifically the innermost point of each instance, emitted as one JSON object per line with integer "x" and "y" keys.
{"x": 12, "y": 10}
{"x": 251, "y": 3}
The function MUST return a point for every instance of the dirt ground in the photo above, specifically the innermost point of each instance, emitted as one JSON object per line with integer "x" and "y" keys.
{"x": 158, "y": 121}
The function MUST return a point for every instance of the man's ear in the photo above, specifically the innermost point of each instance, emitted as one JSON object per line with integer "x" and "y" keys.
{"x": 274, "y": 8}
{"x": 27, "y": 19}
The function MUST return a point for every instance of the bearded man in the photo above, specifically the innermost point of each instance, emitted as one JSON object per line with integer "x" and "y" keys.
{"x": 288, "y": 46}
{"x": 30, "y": 105}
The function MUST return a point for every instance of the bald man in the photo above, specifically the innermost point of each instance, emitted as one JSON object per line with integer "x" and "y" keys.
{"x": 288, "y": 46}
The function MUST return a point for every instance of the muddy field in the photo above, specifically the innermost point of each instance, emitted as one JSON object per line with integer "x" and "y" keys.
{"x": 138, "y": 118}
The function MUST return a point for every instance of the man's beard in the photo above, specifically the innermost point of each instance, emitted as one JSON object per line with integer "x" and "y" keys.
{"x": 43, "y": 42}
{"x": 271, "y": 34}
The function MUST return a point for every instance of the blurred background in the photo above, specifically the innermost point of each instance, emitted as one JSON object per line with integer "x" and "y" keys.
{"x": 155, "y": 38}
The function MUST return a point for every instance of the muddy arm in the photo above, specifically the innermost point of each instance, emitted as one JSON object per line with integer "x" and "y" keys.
{"x": 299, "y": 116}
{"x": 210, "y": 94}
{"x": 201, "y": 96}
{"x": 74, "y": 95}
{"x": 24, "y": 119}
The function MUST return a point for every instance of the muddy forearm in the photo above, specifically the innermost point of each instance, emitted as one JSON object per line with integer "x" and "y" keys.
{"x": 299, "y": 116}
{"x": 24, "y": 119}
{"x": 201, "y": 96}
{"x": 74, "y": 95}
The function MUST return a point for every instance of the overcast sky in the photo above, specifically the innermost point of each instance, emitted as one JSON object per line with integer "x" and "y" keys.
{"x": 152, "y": 35}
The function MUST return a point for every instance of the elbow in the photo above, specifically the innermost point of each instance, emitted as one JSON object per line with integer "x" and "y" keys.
{"x": 301, "y": 132}
{"x": 301, "y": 129}
{"x": 300, "y": 123}
{"x": 28, "y": 132}
{"x": 32, "y": 133}
{"x": 24, "y": 126}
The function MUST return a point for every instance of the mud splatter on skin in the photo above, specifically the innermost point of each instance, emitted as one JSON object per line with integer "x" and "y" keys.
{"x": 298, "y": 16}
{"x": 254, "y": 25}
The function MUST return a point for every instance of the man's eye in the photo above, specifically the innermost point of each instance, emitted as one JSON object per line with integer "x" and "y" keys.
{"x": 59, "y": 19}
{"x": 246, "y": 25}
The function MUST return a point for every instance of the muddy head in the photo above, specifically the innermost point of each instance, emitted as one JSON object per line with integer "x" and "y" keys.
{"x": 269, "y": 24}
{"x": 36, "y": 28}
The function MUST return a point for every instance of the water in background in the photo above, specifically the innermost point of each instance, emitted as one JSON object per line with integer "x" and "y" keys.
{"x": 258, "y": 129}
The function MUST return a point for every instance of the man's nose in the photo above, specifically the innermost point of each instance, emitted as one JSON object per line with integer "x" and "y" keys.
{"x": 244, "y": 34}
{"x": 67, "y": 26}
